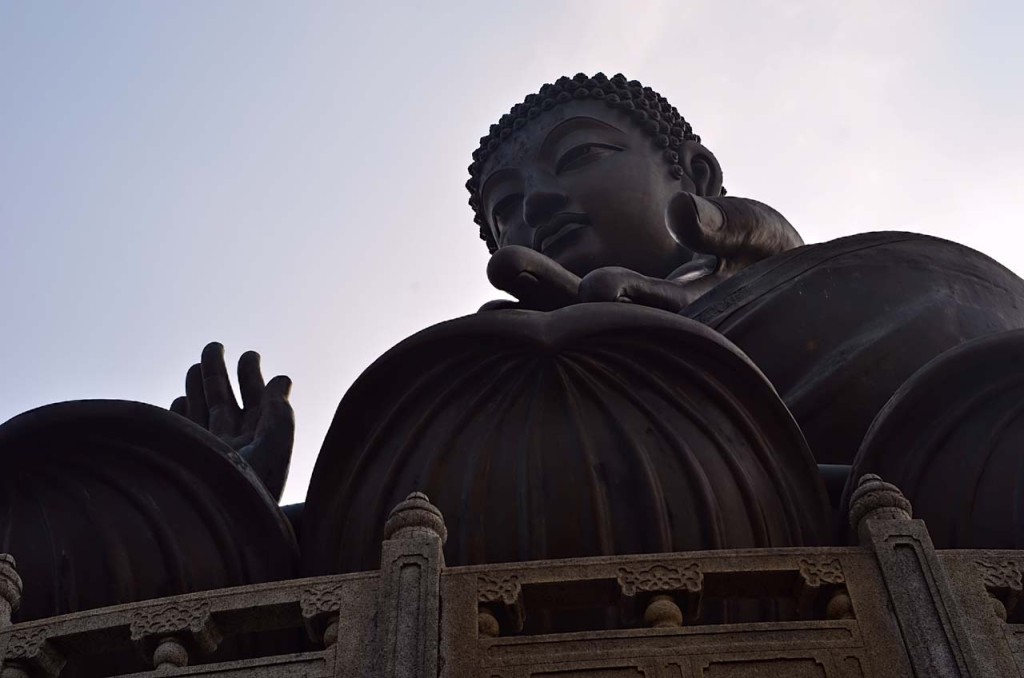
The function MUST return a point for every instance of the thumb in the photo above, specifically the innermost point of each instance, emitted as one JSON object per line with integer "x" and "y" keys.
{"x": 535, "y": 280}
{"x": 735, "y": 229}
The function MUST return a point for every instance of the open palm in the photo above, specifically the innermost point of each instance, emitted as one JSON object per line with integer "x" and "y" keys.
{"x": 262, "y": 430}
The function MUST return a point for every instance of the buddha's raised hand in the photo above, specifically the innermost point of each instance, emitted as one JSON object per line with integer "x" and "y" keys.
{"x": 261, "y": 431}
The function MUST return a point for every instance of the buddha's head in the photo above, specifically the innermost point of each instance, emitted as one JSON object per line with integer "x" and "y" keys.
{"x": 583, "y": 172}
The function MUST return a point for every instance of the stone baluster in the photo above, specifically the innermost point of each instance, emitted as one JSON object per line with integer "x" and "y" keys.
{"x": 919, "y": 590}
{"x": 321, "y": 610}
{"x": 170, "y": 634}
{"x": 411, "y": 563}
{"x": 10, "y": 589}
{"x": 662, "y": 612}
{"x": 10, "y": 601}
{"x": 667, "y": 585}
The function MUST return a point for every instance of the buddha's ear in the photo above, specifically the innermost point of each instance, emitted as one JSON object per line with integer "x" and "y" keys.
{"x": 702, "y": 167}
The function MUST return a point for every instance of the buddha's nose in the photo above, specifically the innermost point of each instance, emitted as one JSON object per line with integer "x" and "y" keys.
{"x": 542, "y": 203}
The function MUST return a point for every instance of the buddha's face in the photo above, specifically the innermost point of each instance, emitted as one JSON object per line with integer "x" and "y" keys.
{"x": 586, "y": 187}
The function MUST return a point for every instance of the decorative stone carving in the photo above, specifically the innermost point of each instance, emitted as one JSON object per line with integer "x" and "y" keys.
{"x": 687, "y": 578}
{"x": 414, "y": 517}
{"x": 500, "y": 598}
{"x": 321, "y": 599}
{"x": 816, "y": 573}
{"x": 150, "y": 624}
{"x": 320, "y": 605}
{"x": 27, "y": 643}
{"x": 875, "y": 499}
{"x": 1004, "y": 575}
{"x": 31, "y": 648}
{"x": 661, "y": 610}
{"x": 1004, "y": 582}
{"x": 506, "y": 590}
{"x": 170, "y": 618}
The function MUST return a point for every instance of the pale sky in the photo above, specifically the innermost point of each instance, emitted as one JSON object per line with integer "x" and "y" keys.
{"x": 288, "y": 176}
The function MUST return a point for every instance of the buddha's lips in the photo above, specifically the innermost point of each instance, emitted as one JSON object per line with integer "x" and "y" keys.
{"x": 556, "y": 228}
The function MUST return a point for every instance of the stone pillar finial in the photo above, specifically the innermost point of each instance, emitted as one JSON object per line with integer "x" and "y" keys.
{"x": 876, "y": 499}
{"x": 415, "y": 517}
{"x": 10, "y": 588}
{"x": 411, "y": 560}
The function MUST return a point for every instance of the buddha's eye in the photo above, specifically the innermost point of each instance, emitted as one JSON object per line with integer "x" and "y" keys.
{"x": 583, "y": 155}
{"x": 505, "y": 210}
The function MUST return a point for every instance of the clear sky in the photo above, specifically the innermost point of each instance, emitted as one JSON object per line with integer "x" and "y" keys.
{"x": 288, "y": 176}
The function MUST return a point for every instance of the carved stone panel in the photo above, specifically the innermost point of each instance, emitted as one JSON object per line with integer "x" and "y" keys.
{"x": 816, "y": 575}
{"x": 1000, "y": 575}
{"x": 821, "y": 572}
{"x": 506, "y": 590}
{"x": 687, "y": 578}
{"x": 191, "y": 620}
{"x": 321, "y": 599}
{"x": 32, "y": 647}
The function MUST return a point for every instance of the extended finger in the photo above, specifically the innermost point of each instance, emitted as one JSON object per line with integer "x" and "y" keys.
{"x": 250, "y": 380}
{"x": 219, "y": 398}
{"x": 270, "y": 455}
{"x": 624, "y": 285}
{"x": 532, "y": 278}
{"x": 197, "y": 408}
{"x": 180, "y": 406}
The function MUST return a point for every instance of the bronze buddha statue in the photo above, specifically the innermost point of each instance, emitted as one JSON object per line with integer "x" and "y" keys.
{"x": 701, "y": 414}
{"x": 604, "y": 193}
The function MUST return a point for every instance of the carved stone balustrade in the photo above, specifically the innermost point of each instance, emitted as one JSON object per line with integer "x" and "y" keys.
{"x": 889, "y": 607}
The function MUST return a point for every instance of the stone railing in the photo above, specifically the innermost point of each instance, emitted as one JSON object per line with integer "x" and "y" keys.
{"x": 891, "y": 606}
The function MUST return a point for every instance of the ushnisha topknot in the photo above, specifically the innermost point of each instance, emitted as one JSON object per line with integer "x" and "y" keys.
{"x": 649, "y": 110}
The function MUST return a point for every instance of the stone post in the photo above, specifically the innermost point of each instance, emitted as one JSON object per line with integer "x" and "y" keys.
{"x": 919, "y": 590}
{"x": 10, "y": 589}
{"x": 10, "y": 600}
{"x": 410, "y": 570}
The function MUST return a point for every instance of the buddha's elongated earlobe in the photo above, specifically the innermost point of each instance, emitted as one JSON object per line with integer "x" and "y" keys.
{"x": 702, "y": 167}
